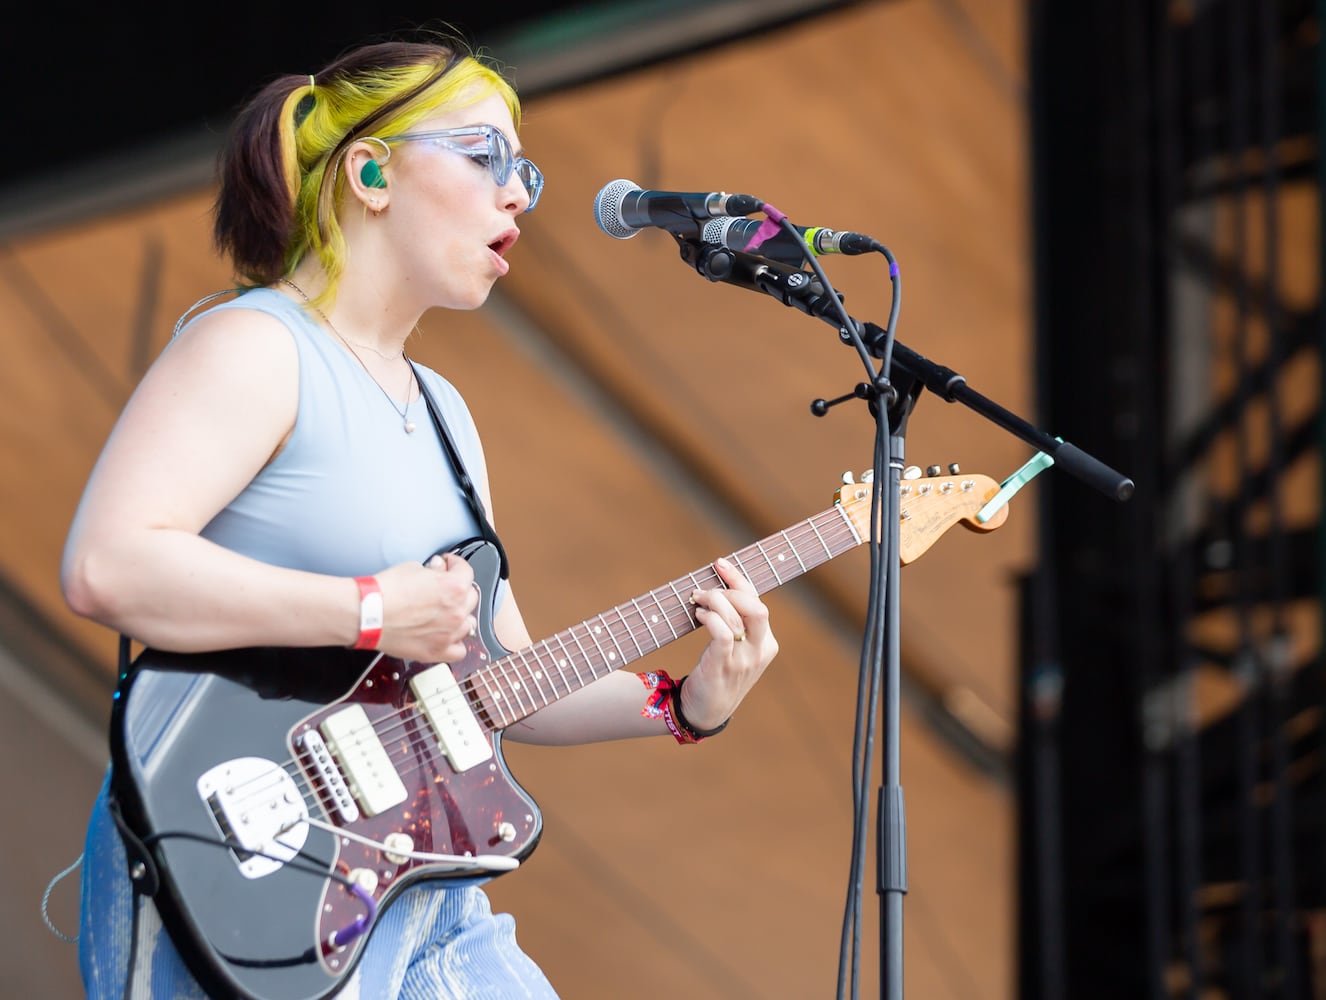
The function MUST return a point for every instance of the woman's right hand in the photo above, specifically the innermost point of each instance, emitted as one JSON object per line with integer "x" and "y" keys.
{"x": 428, "y": 610}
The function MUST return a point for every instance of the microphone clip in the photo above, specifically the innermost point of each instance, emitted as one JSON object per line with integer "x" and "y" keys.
{"x": 790, "y": 286}
{"x": 711, "y": 261}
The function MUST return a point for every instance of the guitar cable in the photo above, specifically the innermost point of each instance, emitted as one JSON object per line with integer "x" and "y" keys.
{"x": 485, "y": 862}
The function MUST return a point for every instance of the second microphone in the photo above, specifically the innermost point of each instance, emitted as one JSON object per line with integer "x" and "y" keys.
{"x": 736, "y": 234}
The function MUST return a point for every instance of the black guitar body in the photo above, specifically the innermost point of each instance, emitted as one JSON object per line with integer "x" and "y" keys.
{"x": 213, "y": 770}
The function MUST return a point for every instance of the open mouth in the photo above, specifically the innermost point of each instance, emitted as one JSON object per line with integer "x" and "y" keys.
{"x": 504, "y": 243}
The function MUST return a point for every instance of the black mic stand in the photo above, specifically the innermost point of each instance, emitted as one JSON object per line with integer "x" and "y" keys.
{"x": 897, "y": 387}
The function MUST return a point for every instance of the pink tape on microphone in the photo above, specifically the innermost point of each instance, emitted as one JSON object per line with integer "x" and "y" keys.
{"x": 769, "y": 227}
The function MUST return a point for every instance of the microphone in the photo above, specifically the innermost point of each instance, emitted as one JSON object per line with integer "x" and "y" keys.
{"x": 736, "y": 234}
{"x": 622, "y": 209}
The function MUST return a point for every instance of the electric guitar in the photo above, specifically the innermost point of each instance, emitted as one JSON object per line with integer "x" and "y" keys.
{"x": 274, "y": 801}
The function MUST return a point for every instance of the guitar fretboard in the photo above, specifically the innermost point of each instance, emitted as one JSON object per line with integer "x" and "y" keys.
{"x": 521, "y": 683}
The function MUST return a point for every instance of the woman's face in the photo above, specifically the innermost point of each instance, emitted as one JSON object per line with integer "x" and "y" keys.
{"x": 450, "y": 222}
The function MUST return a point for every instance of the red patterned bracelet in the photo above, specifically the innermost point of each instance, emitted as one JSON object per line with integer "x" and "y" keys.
{"x": 665, "y": 702}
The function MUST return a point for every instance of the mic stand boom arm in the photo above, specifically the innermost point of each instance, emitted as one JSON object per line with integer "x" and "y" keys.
{"x": 802, "y": 290}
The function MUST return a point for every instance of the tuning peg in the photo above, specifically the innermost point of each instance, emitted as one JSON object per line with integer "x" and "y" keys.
{"x": 933, "y": 470}
{"x": 953, "y": 469}
{"x": 848, "y": 478}
{"x": 911, "y": 472}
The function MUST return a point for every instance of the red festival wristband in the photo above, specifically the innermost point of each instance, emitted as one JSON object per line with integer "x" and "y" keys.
{"x": 665, "y": 702}
{"x": 370, "y": 613}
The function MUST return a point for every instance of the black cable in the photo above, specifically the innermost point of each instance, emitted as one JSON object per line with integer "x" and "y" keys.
{"x": 321, "y": 870}
{"x": 1153, "y": 681}
{"x": 138, "y": 900}
{"x": 1186, "y": 746}
{"x": 1278, "y": 706}
{"x": 1247, "y": 668}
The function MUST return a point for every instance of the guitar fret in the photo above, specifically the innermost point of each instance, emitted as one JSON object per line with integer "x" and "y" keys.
{"x": 645, "y": 619}
{"x": 533, "y": 676}
{"x": 596, "y": 658}
{"x": 539, "y": 676}
{"x": 710, "y": 579}
{"x": 615, "y": 655}
{"x": 580, "y": 681}
{"x": 684, "y": 606}
{"x": 772, "y": 567}
{"x": 761, "y": 576}
{"x": 735, "y": 559}
{"x": 793, "y": 549}
{"x": 491, "y": 699}
{"x": 639, "y": 650}
{"x": 820, "y": 537}
{"x": 667, "y": 618}
{"x": 513, "y": 687}
{"x": 695, "y": 584}
{"x": 836, "y": 529}
{"x": 559, "y": 661}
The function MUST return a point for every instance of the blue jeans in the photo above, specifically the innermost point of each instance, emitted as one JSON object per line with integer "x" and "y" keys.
{"x": 434, "y": 942}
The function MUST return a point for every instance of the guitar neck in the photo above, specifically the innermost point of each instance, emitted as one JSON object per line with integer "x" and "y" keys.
{"x": 525, "y": 681}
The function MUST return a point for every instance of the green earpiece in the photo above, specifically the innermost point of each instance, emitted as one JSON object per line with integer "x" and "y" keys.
{"x": 371, "y": 175}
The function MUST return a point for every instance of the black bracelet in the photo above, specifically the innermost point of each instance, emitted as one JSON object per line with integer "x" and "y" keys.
{"x": 684, "y": 723}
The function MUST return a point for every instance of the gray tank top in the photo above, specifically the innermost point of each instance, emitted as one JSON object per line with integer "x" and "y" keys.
{"x": 351, "y": 493}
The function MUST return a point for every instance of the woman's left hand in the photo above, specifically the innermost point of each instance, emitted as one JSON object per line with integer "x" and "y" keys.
{"x": 741, "y": 645}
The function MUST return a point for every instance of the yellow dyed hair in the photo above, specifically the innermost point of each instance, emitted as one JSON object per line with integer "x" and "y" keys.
{"x": 326, "y": 117}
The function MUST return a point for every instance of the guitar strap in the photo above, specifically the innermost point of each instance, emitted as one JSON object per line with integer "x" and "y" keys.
{"x": 462, "y": 477}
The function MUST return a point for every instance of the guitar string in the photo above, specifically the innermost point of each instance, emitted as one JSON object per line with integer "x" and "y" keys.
{"x": 836, "y": 523}
{"x": 407, "y": 715}
{"x": 387, "y": 731}
{"x": 417, "y": 740}
{"x": 808, "y": 534}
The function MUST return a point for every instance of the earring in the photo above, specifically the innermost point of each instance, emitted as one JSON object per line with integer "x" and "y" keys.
{"x": 371, "y": 175}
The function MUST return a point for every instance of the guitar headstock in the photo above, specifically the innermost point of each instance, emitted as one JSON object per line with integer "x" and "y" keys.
{"x": 927, "y": 507}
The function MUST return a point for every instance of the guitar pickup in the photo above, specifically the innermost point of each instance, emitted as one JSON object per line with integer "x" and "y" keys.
{"x": 364, "y": 761}
{"x": 447, "y": 710}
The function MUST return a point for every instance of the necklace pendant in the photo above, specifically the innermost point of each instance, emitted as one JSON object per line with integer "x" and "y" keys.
{"x": 409, "y": 427}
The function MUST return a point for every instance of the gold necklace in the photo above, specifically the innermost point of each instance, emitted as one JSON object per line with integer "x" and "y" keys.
{"x": 404, "y": 413}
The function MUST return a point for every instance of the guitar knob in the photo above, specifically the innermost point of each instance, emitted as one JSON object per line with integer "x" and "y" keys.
{"x": 366, "y": 879}
{"x": 397, "y": 847}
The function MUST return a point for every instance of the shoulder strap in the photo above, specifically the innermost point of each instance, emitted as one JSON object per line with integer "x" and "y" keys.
{"x": 462, "y": 477}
